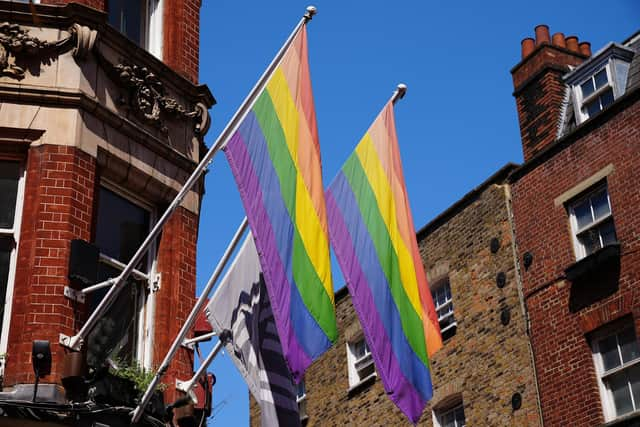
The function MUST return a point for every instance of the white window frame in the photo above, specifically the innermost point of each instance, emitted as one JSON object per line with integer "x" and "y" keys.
{"x": 578, "y": 247}
{"x": 147, "y": 300}
{"x": 583, "y": 101}
{"x": 439, "y": 414}
{"x": 353, "y": 361}
{"x": 15, "y": 233}
{"x": 442, "y": 284}
{"x": 606, "y": 396}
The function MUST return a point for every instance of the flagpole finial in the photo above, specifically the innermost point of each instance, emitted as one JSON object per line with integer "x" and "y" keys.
{"x": 399, "y": 93}
{"x": 311, "y": 10}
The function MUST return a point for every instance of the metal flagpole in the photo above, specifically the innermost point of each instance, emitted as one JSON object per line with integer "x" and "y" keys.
{"x": 75, "y": 342}
{"x": 399, "y": 93}
{"x": 222, "y": 140}
{"x": 192, "y": 317}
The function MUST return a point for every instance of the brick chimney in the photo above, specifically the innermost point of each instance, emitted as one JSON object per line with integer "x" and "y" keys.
{"x": 538, "y": 86}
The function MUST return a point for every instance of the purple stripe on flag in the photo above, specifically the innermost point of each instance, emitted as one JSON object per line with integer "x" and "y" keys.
{"x": 240, "y": 163}
{"x": 308, "y": 332}
{"x": 368, "y": 261}
{"x": 400, "y": 390}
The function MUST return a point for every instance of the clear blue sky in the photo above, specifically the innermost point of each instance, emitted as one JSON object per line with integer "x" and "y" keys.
{"x": 456, "y": 126}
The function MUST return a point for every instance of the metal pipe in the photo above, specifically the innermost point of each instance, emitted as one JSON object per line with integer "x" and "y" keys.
{"x": 189, "y": 322}
{"x": 117, "y": 264}
{"x": 204, "y": 337}
{"x": 186, "y": 386}
{"x": 75, "y": 341}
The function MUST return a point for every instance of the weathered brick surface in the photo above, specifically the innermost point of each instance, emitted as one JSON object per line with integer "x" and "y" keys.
{"x": 182, "y": 36}
{"x": 485, "y": 361}
{"x": 539, "y": 92}
{"x": 568, "y": 386}
{"x": 177, "y": 264}
{"x": 58, "y": 207}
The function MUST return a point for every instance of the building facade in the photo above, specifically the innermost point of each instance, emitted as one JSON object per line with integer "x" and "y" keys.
{"x": 576, "y": 209}
{"x": 101, "y": 123}
{"x": 483, "y": 375}
{"x": 534, "y": 274}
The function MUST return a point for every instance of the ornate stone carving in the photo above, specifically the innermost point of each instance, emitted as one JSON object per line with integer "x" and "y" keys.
{"x": 147, "y": 96}
{"x": 18, "y": 49}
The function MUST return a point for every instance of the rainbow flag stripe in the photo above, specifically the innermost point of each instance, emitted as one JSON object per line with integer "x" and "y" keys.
{"x": 373, "y": 235}
{"x": 275, "y": 159}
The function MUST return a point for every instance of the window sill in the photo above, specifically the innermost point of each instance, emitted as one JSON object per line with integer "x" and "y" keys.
{"x": 362, "y": 385}
{"x": 628, "y": 420}
{"x": 601, "y": 259}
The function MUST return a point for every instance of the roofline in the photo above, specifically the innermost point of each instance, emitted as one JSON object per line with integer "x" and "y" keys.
{"x": 500, "y": 175}
{"x": 567, "y": 140}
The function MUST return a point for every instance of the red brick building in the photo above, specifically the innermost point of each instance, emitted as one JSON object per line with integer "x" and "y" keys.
{"x": 101, "y": 122}
{"x": 576, "y": 205}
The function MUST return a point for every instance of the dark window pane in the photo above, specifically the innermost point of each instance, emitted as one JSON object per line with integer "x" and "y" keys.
{"x": 9, "y": 174}
{"x": 122, "y": 227}
{"x": 609, "y": 352}
{"x": 621, "y": 395}
{"x": 126, "y": 16}
{"x": 583, "y": 214}
{"x": 608, "y": 233}
{"x": 6, "y": 246}
{"x": 606, "y": 98}
{"x": 601, "y": 78}
{"x": 628, "y": 345}
{"x": 593, "y": 108}
{"x": 587, "y": 88}
{"x": 634, "y": 378}
{"x": 114, "y": 336}
{"x": 600, "y": 203}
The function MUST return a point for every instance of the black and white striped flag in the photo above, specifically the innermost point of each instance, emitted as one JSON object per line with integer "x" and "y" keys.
{"x": 241, "y": 305}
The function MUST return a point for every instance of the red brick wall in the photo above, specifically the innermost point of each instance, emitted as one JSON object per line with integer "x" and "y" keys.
{"x": 181, "y": 33}
{"x": 177, "y": 263}
{"x": 57, "y": 208}
{"x": 182, "y": 36}
{"x": 566, "y": 375}
{"x": 539, "y": 91}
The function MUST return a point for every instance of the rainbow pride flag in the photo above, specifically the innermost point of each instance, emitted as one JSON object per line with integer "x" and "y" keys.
{"x": 275, "y": 159}
{"x": 374, "y": 239}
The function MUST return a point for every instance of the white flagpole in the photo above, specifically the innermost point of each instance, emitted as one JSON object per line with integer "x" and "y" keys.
{"x": 192, "y": 317}
{"x": 222, "y": 140}
{"x": 75, "y": 342}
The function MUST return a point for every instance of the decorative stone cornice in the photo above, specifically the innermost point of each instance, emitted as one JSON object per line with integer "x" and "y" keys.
{"x": 147, "y": 98}
{"x": 18, "y": 48}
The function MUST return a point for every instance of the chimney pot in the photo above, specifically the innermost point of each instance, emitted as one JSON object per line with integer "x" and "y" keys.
{"x": 572, "y": 44}
{"x": 558, "y": 40}
{"x": 542, "y": 34}
{"x": 585, "y": 48}
{"x": 528, "y": 45}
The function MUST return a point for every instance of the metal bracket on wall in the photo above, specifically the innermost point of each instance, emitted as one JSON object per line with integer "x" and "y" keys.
{"x": 156, "y": 283}
{"x": 74, "y": 295}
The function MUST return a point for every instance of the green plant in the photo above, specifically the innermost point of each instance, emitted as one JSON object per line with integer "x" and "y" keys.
{"x": 136, "y": 374}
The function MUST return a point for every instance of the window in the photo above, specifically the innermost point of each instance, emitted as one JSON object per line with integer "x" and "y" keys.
{"x": 597, "y": 93}
{"x": 617, "y": 359}
{"x": 452, "y": 416}
{"x": 140, "y": 21}
{"x": 592, "y": 222}
{"x": 121, "y": 227}
{"x": 441, "y": 294}
{"x": 599, "y": 81}
{"x": 360, "y": 362}
{"x": 301, "y": 398}
{"x": 11, "y": 190}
